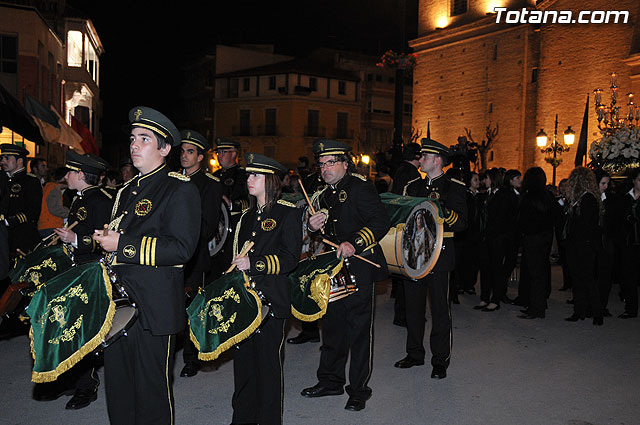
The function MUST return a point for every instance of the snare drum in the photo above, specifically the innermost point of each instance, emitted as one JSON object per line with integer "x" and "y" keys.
{"x": 223, "y": 232}
{"x": 126, "y": 312}
{"x": 343, "y": 283}
{"x": 70, "y": 316}
{"x": 224, "y": 313}
{"x": 412, "y": 245}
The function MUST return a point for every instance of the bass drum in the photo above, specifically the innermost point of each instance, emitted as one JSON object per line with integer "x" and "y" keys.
{"x": 412, "y": 245}
{"x": 224, "y": 230}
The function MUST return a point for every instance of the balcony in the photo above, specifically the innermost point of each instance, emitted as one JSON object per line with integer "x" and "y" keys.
{"x": 343, "y": 134}
{"x": 241, "y": 130}
{"x": 267, "y": 130}
{"x": 314, "y": 131}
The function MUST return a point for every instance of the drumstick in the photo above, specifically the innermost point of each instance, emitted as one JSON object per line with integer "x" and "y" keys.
{"x": 19, "y": 251}
{"x": 304, "y": 192}
{"x": 328, "y": 242}
{"x": 54, "y": 240}
{"x": 242, "y": 254}
{"x": 105, "y": 232}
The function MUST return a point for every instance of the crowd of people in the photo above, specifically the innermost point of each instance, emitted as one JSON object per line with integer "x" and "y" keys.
{"x": 154, "y": 226}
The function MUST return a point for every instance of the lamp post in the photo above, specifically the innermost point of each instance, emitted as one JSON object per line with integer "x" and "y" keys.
{"x": 555, "y": 147}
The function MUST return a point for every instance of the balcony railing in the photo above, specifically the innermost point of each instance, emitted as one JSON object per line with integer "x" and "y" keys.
{"x": 314, "y": 131}
{"x": 267, "y": 130}
{"x": 241, "y": 130}
{"x": 343, "y": 134}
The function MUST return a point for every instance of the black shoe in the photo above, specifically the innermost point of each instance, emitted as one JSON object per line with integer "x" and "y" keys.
{"x": 564, "y": 288}
{"x": 626, "y": 315}
{"x": 319, "y": 391}
{"x": 460, "y": 291}
{"x": 507, "y": 300}
{"x": 51, "y": 391}
{"x": 519, "y": 302}
{"x": 480, "y": 306}
{"x": 470, "y": 291}
{"x": 524, "y": 311}
{"x": 304, "y": 337}
{"x": 570, "y": 301}
{"x": 598, "y": 321}
{"x": 490, "y": 309}
{"x": 82, "y": 398}
{"x": 190, "y": 369}
{"x": 355, "y": 404}
{"x": 408, "y": 362}
{"x": 574, "y": 318}
{"x": 439, "y": 372}
{"x": 606, "y": 313}
{"x": 400, "y": 322}
{"x": 529, "y": 316}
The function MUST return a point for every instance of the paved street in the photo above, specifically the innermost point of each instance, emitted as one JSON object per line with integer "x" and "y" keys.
{"x": 504, "y": 370}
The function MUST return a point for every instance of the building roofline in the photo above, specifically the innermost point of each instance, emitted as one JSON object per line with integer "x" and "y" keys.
{"x": 33, "y": 9}
{"x": 295, "y": 66}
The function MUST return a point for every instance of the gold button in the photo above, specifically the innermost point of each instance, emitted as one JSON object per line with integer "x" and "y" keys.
{"x": 335, "y": 220}
{"x": 133, "y": 192}
{"x": 125, "y": 212}
{"x": 252, "y": 249}
{"x": 253, "y": 233}
{"x": 333, "y": 191}
{"x": 259, "y": 218}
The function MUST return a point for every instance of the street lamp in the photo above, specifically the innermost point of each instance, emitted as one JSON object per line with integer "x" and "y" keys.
{"x": 555, "y": 147}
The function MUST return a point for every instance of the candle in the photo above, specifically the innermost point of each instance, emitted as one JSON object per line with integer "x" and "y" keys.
{"x": 613, "y": 79}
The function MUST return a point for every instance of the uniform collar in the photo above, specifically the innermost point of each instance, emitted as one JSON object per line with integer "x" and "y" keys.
{"x": 151, "y": 174}
{"x": 184, "y": 172}
{"x": 431, "y": 180}
{"x": 19, "y": 170}
{"x": 341, "y": 182}
{"x": 86, "y": 189}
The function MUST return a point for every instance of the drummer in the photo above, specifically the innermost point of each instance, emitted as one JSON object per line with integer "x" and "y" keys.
{"x": 274, "y": 226}
{"x": 157, "y": 218}
{"x": 90, "y": 209}
{"x": 192, "y": 152}
{"x": 451, "y": 194}
{"x": 236, "y": 198}
{"x": 353, "y": 216}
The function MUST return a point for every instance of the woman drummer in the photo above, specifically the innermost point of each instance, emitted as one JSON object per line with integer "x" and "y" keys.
{"x": 275, "y": 228}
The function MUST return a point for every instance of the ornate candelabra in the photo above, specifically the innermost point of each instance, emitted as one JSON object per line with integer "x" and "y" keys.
{"x": 611, "y": 118}
{"x": 555, "y": 148}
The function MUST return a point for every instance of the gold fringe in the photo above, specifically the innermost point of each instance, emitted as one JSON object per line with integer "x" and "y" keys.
{"x": 234, "y": 340}
{"x": 87, "y": 348}
{"x": 321, "y": 280}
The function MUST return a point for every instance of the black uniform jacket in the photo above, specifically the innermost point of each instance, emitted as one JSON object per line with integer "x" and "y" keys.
{"x": 502, "y": 215}
{"x": 210, "y": 190}
{"x": 23, "y": 210}
{"x": 405, "y": 173}
{"x": 234, "y": 182}
{"x": 277, "y": 235}
{"x": 356, "y": 215}
{"x": 452, "y": 196}
{"x": 158, "y": 215}
{"x": 91, "y": 208}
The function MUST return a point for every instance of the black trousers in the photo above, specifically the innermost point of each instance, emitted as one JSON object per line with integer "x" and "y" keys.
{"x": 605, "y": 258}
{"x": 258, "y": 394}
{"x": 437, "y": 285}
{"x": 503, "y": 255}
{"x": 630, "y": 279}
{"x": 399, "y": 309}
{"x": 138, "y": 378}
{"x": 582, "y": 265}
{"x": 537, "y": 269}
{"x": 566, "y": 275}
{"x": 347, "y": 328}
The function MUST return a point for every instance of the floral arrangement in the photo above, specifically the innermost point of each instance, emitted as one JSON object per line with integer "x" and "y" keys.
{"x": 397, "y": 60}
{"x": 618, "y": 150}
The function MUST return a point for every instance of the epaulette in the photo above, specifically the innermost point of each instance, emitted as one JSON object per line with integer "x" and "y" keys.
{"x": 360, "y": 176}
{"x": 32, "y": 175}
{"x": 106, "y": 193}
{"x": 286, "y": 203}
{"x": 458, "y": 181}
{"x": 179, "y": 176}
{"x": 212, "y": 177}
{"x": 404, "y": 190}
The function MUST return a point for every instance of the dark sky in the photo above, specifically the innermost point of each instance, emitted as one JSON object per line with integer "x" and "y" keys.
{"x": 146, "y": 41}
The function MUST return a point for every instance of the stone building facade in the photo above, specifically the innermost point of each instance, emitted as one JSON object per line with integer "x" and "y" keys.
{"x": 473, "y": 71}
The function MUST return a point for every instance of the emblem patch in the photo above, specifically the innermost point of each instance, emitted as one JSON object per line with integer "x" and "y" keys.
{"x": 250, "y": 158}
{"x": 359, "y": 241}
{"x": 137, "y": 114}
{"x": 342, "y": 196}
{"x": 260, "y": 265}
{"x": 229, "y": 182}
{"x": 87, "y": 240}
{"x": 143, "y": 207}
{"x": 129, "y": 251}
{"x": 268, "y": 225}
{"x": 81, "y": 214}
{"x": 434, "y": 195}
{"x": 16, "y": 188}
